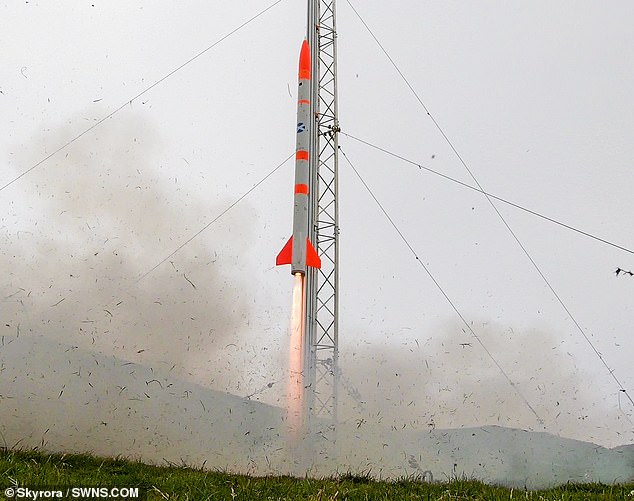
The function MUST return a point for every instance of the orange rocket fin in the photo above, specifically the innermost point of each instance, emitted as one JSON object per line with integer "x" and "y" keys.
{"x": 286, "y": 254}
{"x": 312, "y": 259}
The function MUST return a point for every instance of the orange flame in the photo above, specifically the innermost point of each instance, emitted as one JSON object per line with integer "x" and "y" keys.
{"x": 296, "y": 390}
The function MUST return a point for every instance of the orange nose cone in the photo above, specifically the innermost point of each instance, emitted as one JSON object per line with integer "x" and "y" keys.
{"x": 304, "y": 62}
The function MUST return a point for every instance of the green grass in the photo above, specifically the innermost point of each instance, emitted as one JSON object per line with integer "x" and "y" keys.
{"x": 38, "y": 470}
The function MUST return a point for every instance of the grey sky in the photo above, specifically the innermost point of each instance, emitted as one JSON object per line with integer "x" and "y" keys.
{"x": 535, "y": 96}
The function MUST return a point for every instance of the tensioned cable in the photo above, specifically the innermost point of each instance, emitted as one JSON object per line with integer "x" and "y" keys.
{"x": 160, "y": 80}
{"x": 515, "y": 237}
{"x": 236, "y": 202}
{"x": 500, "y": 199}
{"x": 440, "y": 288}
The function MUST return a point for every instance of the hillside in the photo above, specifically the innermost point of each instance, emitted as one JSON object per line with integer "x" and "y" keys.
{"x": 78, "y": 401}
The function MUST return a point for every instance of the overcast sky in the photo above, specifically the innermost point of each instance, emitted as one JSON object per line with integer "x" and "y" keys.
{"x": 535, "y": 96}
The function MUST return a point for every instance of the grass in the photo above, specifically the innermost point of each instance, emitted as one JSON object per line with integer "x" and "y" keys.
{"x": 37, "y": 470}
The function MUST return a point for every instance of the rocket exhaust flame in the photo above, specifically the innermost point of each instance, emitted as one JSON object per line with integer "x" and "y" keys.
{"x": 295, "y": 404}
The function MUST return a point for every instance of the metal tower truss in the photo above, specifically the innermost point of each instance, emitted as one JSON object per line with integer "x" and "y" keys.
{"x": 322, "y": 310}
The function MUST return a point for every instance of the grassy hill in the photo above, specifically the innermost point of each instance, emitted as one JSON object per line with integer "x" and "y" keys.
{"x": 77, "y": 401}
{"x": 37, "y": 470}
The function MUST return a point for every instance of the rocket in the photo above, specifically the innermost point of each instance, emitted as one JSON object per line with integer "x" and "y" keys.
{"x": 299, "y": 251}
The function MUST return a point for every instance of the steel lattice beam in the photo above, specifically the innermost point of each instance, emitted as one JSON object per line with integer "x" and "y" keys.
{"x": 322, "y": 308}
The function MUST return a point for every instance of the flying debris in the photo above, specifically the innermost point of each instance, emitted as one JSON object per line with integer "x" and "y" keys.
{"x": 620, "y": 270}
{"x": 299, "y": 251}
